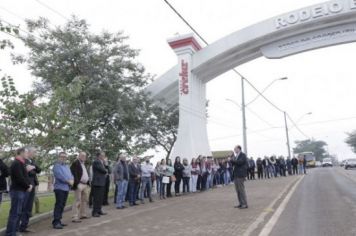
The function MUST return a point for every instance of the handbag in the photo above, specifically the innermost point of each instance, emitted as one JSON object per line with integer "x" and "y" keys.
{"x": 165, "y": 180}
{"x": 173, "y": 178}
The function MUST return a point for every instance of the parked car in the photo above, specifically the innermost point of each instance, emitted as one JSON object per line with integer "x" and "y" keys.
{"x": 327, "y": 162}
{"x": 350, "y": 163}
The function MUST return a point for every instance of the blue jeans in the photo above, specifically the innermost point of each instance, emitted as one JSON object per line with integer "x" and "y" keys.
{"x": 146, "y": 183}
{"x": 301, "y": 169}
{"x": 133, "y": 187}
{"x": 27, "y": 209}
{"x": 227, "y": 178}
{"x": 17, "y": 202}
{"x": 121, "y": 192}
{"x": 61, "y": 199}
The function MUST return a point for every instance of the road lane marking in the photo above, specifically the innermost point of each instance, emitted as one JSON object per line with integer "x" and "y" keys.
{"x": 267, "y": 210}
{"x": 267, "y": 229}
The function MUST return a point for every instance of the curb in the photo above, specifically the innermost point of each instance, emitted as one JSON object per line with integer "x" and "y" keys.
{"x": 37, "y": 218}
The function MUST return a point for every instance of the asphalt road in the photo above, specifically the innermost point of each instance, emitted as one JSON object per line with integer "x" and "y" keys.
{"x": 324, "y": 203}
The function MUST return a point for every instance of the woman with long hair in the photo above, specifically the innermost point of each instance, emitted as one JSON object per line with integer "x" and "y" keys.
{"x": 195, "y": 173}
{"x": 162, "y": 173}
{"x": 178, "y": 173}
{"x": 170, "y": 171}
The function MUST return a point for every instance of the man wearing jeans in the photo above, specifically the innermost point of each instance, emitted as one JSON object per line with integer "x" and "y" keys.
{"x": 32, "y": 170}
{"x": 121, "y": 176}
{"x": 63, "y": 179}
{"x": 239, "y": 162}
{"x": 20, "y": 184}
{"x": 80, "y": 187}
{"x": 146, "y": 180}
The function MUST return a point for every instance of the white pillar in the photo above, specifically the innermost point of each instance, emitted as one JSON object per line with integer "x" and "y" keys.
{"x": 192, "y": 139}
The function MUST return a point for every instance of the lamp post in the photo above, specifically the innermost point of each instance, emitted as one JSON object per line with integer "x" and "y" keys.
{"x": 287, "y": 134}
{"x": 267, "y": 87}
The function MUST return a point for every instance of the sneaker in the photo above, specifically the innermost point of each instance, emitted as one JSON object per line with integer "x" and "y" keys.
{"x": 57, "y": 226}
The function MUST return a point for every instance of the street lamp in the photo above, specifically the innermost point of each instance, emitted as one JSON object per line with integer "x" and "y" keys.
{"x": 267, "y": 87}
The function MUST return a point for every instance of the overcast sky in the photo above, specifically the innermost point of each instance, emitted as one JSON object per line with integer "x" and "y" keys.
{"x": 321, "y": 81}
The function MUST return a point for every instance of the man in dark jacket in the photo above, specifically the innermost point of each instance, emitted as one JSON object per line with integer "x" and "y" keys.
{"x": 121, "y": 177}
{"x": 4, "y": 172}
{"x": 134, "y": 180}
{"x": 80, "y": 187}
{"x": 98, "y": 184}
{"x": 295, "y": 165}
{"x": 240, "y": 165}
{"x": 259, "y": 164}
{"x": 32, "y": 170}
{"x": 20, "y": 184}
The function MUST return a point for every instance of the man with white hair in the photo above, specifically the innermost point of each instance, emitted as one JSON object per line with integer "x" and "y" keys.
{"x": 80, "y": 187}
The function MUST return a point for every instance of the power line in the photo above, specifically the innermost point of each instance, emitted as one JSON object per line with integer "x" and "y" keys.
{"x": 53, "y": 10}
{"x": 238, "y": 73}
{"x": 295, "y": 125}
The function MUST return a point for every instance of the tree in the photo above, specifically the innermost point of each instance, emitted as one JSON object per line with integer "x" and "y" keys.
{"x": 351, "y": 140}
{"x": 311, "y": 145}
{"x": 161, "y": 127}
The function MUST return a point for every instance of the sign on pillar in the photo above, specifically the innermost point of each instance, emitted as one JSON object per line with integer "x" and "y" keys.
{"x": 192, "y": 139}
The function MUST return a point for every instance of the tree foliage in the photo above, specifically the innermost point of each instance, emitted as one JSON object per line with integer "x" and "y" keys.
{"x": 311, "y": 145}
{"x": 351, "y": 140}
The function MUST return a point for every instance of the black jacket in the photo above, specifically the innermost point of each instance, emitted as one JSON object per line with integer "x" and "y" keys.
{"x": 178, "y": 169}
{"x": 294, "y": 161}
{"x": 4, "y": 172}
{"x": 77, "y": 172}
{"x": 19, "y": 176}
{"x": 32, "y": 175}
{"x": 134, "y": 171}
{"x": 99, "y": 174}
{"x": 240, "y": 165}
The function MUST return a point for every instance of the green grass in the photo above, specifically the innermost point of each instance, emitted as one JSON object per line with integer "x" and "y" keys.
{"x": 46, "y": 205}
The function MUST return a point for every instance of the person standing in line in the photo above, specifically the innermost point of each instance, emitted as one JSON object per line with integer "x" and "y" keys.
{"x": 240, "y": 165}
{"x": 178, "y": 173}
{"x": 107, "y": 182}
{"x": 63, "y": 180}
{"x": 20, "y": 184}
{"x": 121, "y": 177}
{"x": 134, "y": 180}
{"x": 199, "y": 179}
{"x": 146, "y": 180}
{"x": 209, "y": 171}
{"x": 4, "y": 173}
{"x": 158, "y": 177}
{"x": 80, "y": 187}
{"x": 301, "y": 164}
{"x": 98, "y": 184}
{"x": 169, "y": 173}
{"x": 282, "y": 166}
{"x": 194, "y": 174}
{"x": 295, "y": 165}
{"x": 204, "y": 173}
{"x": 305, "y": 164}
{"x": 32, "y": 171}
{"x": 266, "y": 164}
{"x": 162, "y": 174}
{"x": 251, "y": 166}
{"x": 187, "y": 173}
{"x": 259, "y": 168}
{"x": 289, "y": 165}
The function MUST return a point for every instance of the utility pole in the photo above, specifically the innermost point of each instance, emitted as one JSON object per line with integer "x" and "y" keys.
{"x": 287, "y": 134}
{"x": 243, "y": 106}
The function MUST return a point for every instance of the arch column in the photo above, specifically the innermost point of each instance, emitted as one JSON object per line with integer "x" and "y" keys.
{"x": 192, "y": 139}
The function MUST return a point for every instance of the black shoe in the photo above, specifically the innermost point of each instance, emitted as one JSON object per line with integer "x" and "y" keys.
{"x": 151, "y": 200}
{"x": 237, "y": 206}
{"x": 102, "y": 213}
{"x": 64, "y": 225}
{"x": 84, "y": 217}
{"x": 96, "y": 215}
{"x": 243, "y": 207}
{"x": 119, "y": 208}
{"x": 135, "y": 204}
{"x": 57, "y": 226}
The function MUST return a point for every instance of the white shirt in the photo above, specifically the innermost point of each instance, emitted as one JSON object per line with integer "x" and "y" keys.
{"x": 146, "y": 170}
{"x": 85, "y": 176}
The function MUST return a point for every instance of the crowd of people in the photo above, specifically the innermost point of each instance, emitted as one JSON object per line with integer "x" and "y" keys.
{"x": 134, "y": 179}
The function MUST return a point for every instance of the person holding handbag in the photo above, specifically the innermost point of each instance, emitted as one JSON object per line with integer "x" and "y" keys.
{"x": 163, "y": 179}
{"x": 178, "y": 173}
{"x": 169, "y": 173}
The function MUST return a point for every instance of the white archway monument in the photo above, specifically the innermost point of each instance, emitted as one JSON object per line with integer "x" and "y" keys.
{"x": 321, "y": 25}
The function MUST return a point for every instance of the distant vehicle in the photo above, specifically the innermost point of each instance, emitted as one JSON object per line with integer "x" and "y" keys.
{"x": 342, "y": 164}
{"x": 350, "y": 163}
{"x": 318, "y": 164}
{"x": 327, "y": 162}
{"x": 309, "y": 158}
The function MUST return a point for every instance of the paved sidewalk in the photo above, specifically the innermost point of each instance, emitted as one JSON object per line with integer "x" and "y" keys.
{"x": 208, "y": 213}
